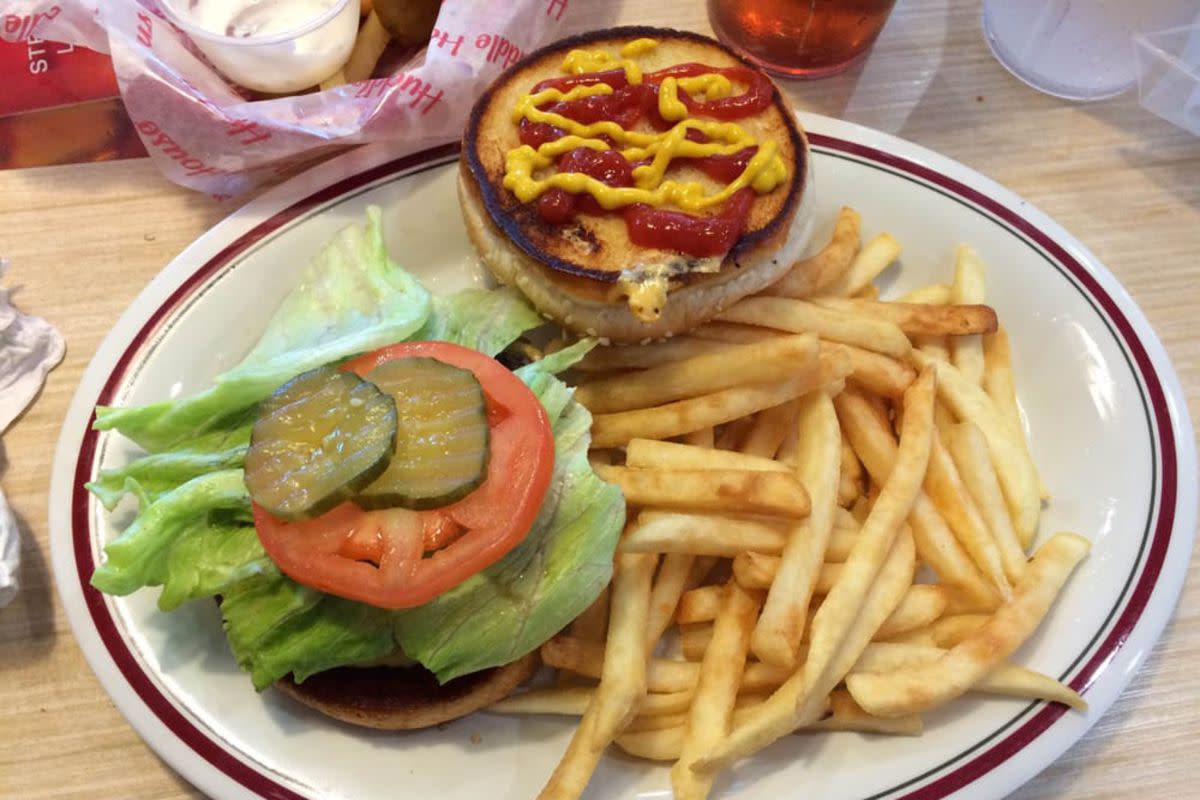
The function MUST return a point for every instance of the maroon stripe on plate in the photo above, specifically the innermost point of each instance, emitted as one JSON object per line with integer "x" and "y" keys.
{"x": 1021, "y": 737}
{"x": 265, "y": 786}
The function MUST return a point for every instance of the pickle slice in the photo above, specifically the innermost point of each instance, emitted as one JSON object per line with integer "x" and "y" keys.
{"x": 319, "y": 439}
{"x": 441, "y": 438}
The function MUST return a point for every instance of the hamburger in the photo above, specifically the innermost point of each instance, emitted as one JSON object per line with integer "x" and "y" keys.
{"x": 391, "y": 504}
{"x": 634, "y": 182}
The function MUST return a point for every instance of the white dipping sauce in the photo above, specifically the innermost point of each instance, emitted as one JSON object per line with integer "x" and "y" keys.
{"x": 248, "y": 41}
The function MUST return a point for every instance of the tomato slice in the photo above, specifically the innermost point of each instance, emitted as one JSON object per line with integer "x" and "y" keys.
{"x": 397, "y": 558}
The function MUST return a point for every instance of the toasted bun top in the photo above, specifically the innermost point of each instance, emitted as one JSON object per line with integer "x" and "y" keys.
{"x": 597, "y": 246}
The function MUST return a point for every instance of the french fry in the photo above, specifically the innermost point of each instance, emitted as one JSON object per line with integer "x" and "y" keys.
{"x": 674, "y": 419}
{"x": 918, "y": 609}
{"x": 1006, "y": 679}
{"x": 649, "y": 454}
{"x": 845, "y": 715}
{"x": 899, "y": 492}
{"x": 936, "y": 347}
{"x": 925, "y": 687}
{"x": 933, "y": 294}
{"x": 771, "y": 427}
{"x": 875, "y": 372}
{"x": 920, "y": 319}
{"x": 333, "y": 81}
{"x": 677, "y": 572}
{"x": 969, "y": 450}
{"x": 694, "y": 639}
{"x": 875, "y": 445}
{"x": 1018, "y": 477}
{"x": 875, "y": 256}
{"x": 658, "y": 722}
{"x": 835, "y": 325}
{"x": 709, "y": 718}
{"x": 811, "y": 275}
{"x": 841, "y": 542}
{"x": 728, "y": 491}
{"x": 851, "y": 481}
{"x": 702, "y": 534}
{"x": 372, "y": 40}
{"x": 698, "y": 605}
{"x": 950, "y": 630}
{"x": 663, "y": 675}
{"x": 645, "y": 356}
{"x": 701, "y": 438}
{"x": 623, "y": 682}
{"x": 699, "y": 375}
{"x": 789, "y": 448}
{"x": 800, "y": 700}
{"x": 946, "y": 491}
{"x": 1012, "y": 680}
{"x": 660, "y": 745}
{"x": 593, "y": 622}
{"x": 733, "y": 333}
{"x": 780, "y": 627}
{"x": 1000, "y": 385}
{"x": 730, "y": 437}
{"x": 967, "y": 352}
{"x": 571, "y": 702}
{"x": 920, "y": 606}
{"x": 755, "y": 570}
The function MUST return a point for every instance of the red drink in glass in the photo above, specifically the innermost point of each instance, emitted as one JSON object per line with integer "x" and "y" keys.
{"x": 800, "y": 38}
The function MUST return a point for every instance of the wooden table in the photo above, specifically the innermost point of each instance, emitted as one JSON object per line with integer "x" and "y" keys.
{"x": 83, "y": 240}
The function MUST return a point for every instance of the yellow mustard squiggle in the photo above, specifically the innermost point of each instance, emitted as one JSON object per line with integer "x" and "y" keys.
{"x": 765, "y": 170}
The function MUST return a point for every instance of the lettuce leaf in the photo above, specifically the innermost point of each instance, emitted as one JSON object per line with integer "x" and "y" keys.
{"x": 154, "y": 475}
{"x": 207, "y": 560}
{"x": 352, "y": 298}
{"x": 276, "y": 626}
{"x": 487, "y": 320}
{"x": 140, "y": 556}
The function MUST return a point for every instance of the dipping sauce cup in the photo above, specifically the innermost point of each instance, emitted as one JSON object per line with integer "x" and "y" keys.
{"x": 800, "y": 38}
{"x": 274, "y": 46}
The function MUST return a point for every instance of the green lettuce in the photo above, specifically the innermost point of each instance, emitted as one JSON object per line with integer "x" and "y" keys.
{"x": 209, "y": 559}
{"x": 487, "y": 320}
{"x": 193, "y": 535}
{"x": 352, "y": 298}
{"x": 154, "y": 475}
{"x": 140, "y": 556}
{"x": 564, "y": 562}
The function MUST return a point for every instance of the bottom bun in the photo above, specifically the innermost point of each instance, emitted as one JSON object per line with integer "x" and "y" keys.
{"x": 405, "y": 698}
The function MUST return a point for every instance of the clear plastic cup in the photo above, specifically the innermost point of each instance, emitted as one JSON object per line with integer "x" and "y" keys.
{"x": 301, "y": 56}
{"x": 1075, "y": 49}
{"x": 1168, "y": 67}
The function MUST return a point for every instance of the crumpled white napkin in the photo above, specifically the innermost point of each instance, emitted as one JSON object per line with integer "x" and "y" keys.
{"x": 29, "y": 348}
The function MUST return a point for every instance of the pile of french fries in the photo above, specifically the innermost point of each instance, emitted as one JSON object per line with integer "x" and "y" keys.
{"x": 832, "y": 510}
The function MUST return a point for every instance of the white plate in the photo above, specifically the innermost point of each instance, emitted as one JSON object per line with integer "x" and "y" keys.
{"x": 1109, "y": 430}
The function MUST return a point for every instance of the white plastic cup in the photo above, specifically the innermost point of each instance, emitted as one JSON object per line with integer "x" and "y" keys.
{"x": 1169, "y": 74}
{"x": 282, "y": 62}
{"x": 1075, "y": 49}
